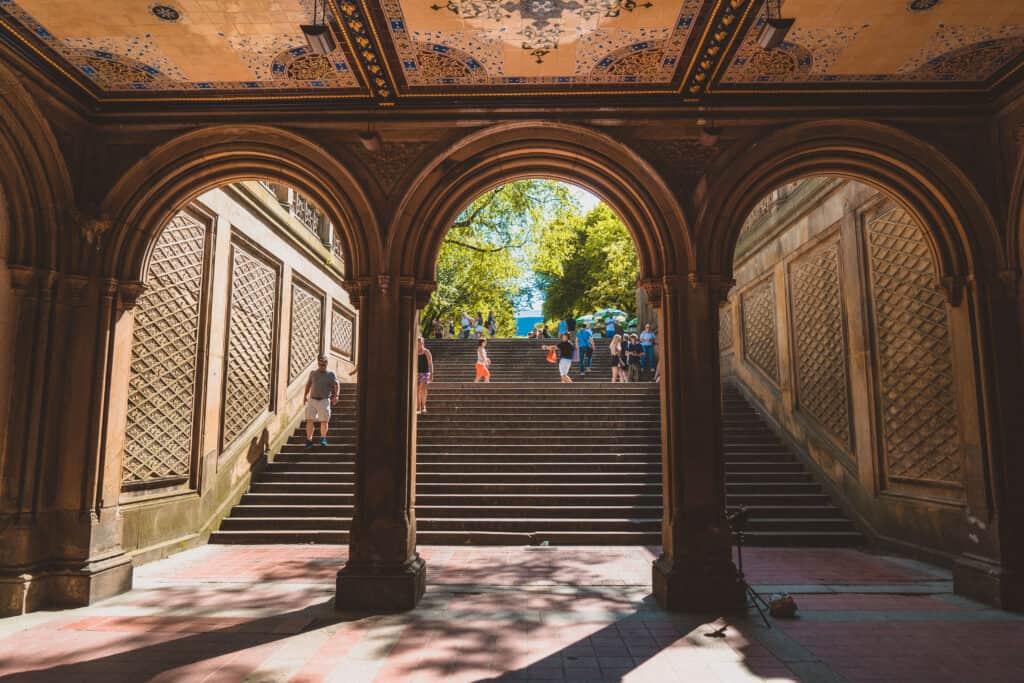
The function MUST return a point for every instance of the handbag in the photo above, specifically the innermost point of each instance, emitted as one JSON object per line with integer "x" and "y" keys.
{"x": 552, "y": 355}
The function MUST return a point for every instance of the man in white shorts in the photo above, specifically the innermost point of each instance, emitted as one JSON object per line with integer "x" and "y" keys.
{"x": 321, "y": 393}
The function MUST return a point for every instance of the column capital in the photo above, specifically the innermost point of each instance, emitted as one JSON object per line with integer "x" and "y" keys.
{"x": 357, "y": 289}
{"x": 420, "y": 290}
{"x": 716, "y": 284}
{"x": 129, "y": 293}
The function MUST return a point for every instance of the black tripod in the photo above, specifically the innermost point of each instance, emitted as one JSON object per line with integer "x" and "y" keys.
{"x": 737, "y": 523}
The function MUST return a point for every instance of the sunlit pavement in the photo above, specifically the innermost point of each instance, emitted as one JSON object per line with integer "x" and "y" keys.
{"x": 265, "y": 613}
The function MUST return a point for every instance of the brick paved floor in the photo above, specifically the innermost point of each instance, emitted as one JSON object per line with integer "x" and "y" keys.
{"x": 264, "y": 613}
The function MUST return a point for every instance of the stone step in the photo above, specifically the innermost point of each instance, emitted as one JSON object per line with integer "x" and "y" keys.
{"x": 530, "y": 525}
{"x": 278, "y": 523}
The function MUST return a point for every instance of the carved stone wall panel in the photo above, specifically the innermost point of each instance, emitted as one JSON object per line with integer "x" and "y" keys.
{"x": 918, "y": 402}
{"x": 760, "y": 326}
{"x": 165, "y": 341}
{"x": 307, "y": 328}
{"x": 819, "y": 345}
{"x": 342, "y": 332}
{"x": 725, "y": 328}
{"x": 250, "y": 355}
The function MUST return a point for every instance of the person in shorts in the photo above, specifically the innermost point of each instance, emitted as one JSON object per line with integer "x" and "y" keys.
{"x": 565, "y": 349}
{"x": 483, "y": 363}
{"x": 424, "y": 373}
{"x": 321, "y": 393}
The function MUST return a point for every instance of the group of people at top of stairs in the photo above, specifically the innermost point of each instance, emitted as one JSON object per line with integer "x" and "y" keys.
{"x": 474, "y": 328}
{"x": 632, "y": 354}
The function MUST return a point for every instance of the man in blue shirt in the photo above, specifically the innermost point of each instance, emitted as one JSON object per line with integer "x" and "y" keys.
{"x": 584, "y": 339}
{"x": 647, "y": 342}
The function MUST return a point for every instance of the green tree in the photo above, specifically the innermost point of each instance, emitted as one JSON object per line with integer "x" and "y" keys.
{"x": 488, "y": 249}
{"x": 584, "y": 263}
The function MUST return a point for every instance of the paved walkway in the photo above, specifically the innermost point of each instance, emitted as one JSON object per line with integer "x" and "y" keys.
{"x": 264, "y": 613}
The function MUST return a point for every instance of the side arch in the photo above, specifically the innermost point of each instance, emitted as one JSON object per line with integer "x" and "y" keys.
{"x": 514, "y": 151}
{"x": 35, "y": 181}
{"x": 147, "y": 196}
{"x": 961, "y": 230}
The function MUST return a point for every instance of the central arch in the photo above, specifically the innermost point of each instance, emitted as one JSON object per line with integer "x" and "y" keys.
{"x": 558, "y": 151}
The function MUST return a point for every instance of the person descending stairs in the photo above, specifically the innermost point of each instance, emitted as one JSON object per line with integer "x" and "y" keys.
{"x": 527, "y": 460}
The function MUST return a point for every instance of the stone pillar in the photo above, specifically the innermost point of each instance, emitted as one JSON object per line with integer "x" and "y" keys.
{"x": 695, "y": 570}
{"x": 992, "y": 567}
{"x": 384, "y": 573}
{"x": 60, "y": 544}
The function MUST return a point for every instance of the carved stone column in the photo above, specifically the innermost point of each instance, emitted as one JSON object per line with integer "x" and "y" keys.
{"x": 61, "y": 544}
{"x": 992, "y": 567}
{"x": 695, "y": 570}
{"x": 384, "y": 572}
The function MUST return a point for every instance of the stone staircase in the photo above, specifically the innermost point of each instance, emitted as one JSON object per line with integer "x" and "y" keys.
{"x": 531, "y": 460}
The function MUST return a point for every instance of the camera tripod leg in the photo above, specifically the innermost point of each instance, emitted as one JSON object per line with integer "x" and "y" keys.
{"x": 759, "y": 603}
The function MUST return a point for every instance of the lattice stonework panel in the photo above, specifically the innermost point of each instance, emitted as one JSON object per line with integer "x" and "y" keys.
{"x": 759, "y": 328}
{"x": 819, "y": 342}
{"x": 914, "y": 355}
{"x": 341, "y": 332}
{"x": 248, "y": 379}
{"x": 162, "y": 385}
{"x": 307, "y": 309}
{"x": 725, "y": 328}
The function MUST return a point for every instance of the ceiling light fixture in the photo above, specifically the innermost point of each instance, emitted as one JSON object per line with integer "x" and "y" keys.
{"x": 318, "y": 34}
{"x": 775, "y": 27}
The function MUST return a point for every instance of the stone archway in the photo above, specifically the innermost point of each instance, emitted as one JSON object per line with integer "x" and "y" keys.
{"x": 168, "y": 177}
{"x": 967, "y": 254}
{"x": 695, "y": 570}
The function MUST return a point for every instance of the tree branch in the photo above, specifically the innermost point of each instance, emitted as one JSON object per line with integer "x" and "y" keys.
{"x": 484, "y": 250}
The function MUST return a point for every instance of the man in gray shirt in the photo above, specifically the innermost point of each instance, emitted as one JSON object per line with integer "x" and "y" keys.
{"x": 321, "y": 393}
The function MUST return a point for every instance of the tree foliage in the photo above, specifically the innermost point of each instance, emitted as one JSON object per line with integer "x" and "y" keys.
{"x": 584, "y": 263}
{"x": 489, "y": 247}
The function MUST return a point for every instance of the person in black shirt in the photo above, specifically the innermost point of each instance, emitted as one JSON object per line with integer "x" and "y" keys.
{"x": 565, "y": 349}
{"x": 424, "y": 374}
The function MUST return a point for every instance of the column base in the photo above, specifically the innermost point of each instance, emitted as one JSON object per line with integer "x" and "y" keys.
{"x": 697, "y": 587}
{"x": 381, "y": 588}
{"x": 987, "y": 581}
{"x": 63, "y": 584}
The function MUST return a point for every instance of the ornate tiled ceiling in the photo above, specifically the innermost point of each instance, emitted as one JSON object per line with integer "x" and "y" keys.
{"x": 858, "y": 41}
{"x": 394, "y": 49}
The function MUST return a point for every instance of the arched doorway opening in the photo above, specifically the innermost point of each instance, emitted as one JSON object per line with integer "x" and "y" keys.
{"x": 849, "y": 363}
{"x": 694, "y": 569}
{"x": 240, "y": 296}
{"x": 517, "y": 450}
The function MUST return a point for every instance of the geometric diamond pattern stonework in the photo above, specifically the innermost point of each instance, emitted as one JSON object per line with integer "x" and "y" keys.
{"x": 759, "y": 328}
{"x": 341, "y": 332}
{"x": 250, "y": 342}
{"x": 914, "y": 355}
{"x": 819, "y": 343}
{"x": 725, "y": 327}
{"x": 307, "y": 328}
{"x": 165, "y": 340}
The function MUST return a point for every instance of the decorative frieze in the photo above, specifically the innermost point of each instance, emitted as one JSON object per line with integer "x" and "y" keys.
{"x": 819, "y": 344}
{"x": 248, "y": 380}
{"x": 306, "y": 330}
{"x": 725, "y": 328}
{"x": 911, "y": 327}
{"x": 760, "y": 329}
{"x": 165, "y": 344}
{"x": 342, "y": 331}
